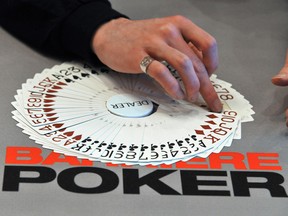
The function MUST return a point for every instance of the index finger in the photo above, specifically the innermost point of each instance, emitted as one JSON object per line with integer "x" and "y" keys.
{"x": 203, "y": 41}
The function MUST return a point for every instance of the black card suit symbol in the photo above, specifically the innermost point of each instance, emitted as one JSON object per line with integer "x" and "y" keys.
{"x": 179, "y": 142}
{"x": 111, "y": 145}
{"x": 76, "y": 77}
{"x": 143, "y": 147}
{"x": 102, "y": 144}
{"x": 194, "y": 137}
{"x": 88, "y": 139}
{"x": 122, "y": 146}
{"x": 133, "y": 147}
{"x": 95, "y": 142}
{"x": 171, "y": 145}
{"x": 153, "y": 147}
{"x": 85, "y": 75}
{"x": 68, "y": 80}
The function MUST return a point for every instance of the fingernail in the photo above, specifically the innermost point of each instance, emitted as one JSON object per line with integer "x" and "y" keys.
{"x": 217, "y": 106}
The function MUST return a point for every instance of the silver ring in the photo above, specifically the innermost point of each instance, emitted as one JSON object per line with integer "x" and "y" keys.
{"x": 144, "y": 64}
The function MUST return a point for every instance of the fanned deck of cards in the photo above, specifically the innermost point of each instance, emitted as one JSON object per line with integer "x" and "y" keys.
{"x": 106, "y": 116}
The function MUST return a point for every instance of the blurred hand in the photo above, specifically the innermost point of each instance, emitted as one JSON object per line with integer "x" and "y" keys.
{"x": 121, "y": 44}
{"x": 281, "y": 79}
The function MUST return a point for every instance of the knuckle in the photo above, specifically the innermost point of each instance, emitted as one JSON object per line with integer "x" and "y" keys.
{"x": 159, "y": 74}
{"x": 210, "y": 43}
{"x": 179, "y": 18}
{"x": 169, "y": 30}
{"x": 193, "y": 90}
{"x": 172, "y": 88}
{"x": 184, "y": 63}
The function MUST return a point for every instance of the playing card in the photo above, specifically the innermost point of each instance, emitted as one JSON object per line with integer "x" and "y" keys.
{"x": 103, "y": 115}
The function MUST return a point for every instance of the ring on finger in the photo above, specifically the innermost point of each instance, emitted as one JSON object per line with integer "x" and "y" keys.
{"x": 144, "y": 64}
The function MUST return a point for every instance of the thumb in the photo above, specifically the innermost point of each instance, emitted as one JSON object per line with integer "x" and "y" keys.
{"x": 281, "y": 79}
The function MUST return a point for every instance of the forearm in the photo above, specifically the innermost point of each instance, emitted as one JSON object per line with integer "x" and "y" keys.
{"x": 57, "y": 27}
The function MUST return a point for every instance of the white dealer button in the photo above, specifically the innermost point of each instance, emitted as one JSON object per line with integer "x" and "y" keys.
{"x": 129, "y": 106}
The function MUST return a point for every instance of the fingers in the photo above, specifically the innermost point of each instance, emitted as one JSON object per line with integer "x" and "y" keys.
{"x": 191, "y": 70}
{"x": 281, "y": 79}
{"x": 204, "y": 42}
{"x": 162, "y": 75}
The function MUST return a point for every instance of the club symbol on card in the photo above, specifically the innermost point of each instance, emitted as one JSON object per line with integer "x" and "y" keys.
{"x": 111, "y": 146}
{"x": 133, "y": 147}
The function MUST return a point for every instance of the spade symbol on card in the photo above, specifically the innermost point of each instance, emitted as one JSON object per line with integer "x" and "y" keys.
{"x": 85, "y": 75}
{"x": 76, "y": 77}
{"x": 69, "y": 80}
{"x": 122, "y": 146}
{"x": 143, "y": 147}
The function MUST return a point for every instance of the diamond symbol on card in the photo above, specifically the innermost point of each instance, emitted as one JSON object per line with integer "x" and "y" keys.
{"x": 211, "y": 122}
{"x": 206, "y": 127}
{"x": 199, "y": 132}
{"x": 212, "y": 116}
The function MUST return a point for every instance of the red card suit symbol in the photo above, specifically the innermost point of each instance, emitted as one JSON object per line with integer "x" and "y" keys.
{"x": 58, "y": 125}
{"x": 56, "y": 87}
{"x": 50, "y": 114}
{"x": 51, "y": 91}
{"x": 48, "y": 101}
{"x": 48, "y": 110}
{"x": 61, "y": 83}
{"x": 199, "y": 132}
{"x": 211, "y": 122}
{"x": 49, "y": 96}
{"x": 52, "y": 119}
{"x": 212, "y": 116}
{"x": 68, "y": 134}
{"x": 206, "y": 127}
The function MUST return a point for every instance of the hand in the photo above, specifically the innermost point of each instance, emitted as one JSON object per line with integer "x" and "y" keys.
{"x": 121, "y": 44}
{"x": 281, "y": 79}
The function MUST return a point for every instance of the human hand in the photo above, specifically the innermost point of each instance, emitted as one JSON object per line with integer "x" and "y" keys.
{"x": 121, "y": 44}
{"x": 281, "y": 79}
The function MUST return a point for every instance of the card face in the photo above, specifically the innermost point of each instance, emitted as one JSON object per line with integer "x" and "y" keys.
{"x": 103, "y": 115}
